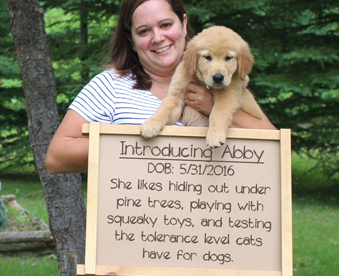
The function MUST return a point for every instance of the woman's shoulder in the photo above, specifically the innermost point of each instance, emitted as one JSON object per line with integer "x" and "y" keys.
{"x": 109, "y": 81}
{"x": 112, "y": 75}
{"x": 116, "y": 75}
{"x": 107, "y": 75}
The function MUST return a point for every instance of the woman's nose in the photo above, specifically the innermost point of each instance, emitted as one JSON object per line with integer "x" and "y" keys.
{"x": 157, "y": 36}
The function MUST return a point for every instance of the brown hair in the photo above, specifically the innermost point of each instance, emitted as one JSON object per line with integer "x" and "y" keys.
{"x": 121, "y": 54}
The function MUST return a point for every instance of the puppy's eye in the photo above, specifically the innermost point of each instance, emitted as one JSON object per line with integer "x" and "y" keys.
{"x": 209, "y": 58}
{"x": 228, "y": 58}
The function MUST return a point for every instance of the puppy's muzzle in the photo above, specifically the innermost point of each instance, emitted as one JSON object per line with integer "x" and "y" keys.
{"x": 218, "y": 79}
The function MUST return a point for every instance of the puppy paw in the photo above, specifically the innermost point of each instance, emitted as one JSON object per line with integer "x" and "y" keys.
{"x": 151, "y": 128}
{"x": 215, "y": 139}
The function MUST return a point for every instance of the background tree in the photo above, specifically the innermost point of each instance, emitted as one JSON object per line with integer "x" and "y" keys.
{"x": 76, "y": 53}
{"x": 62, "y": 193}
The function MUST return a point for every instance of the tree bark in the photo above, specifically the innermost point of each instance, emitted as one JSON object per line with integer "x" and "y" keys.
{"x": 84, "y": 41}
{"x": 62, "y": 193}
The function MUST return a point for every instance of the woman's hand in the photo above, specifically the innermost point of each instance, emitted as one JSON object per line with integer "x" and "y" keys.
{"x": 199, "y": 98}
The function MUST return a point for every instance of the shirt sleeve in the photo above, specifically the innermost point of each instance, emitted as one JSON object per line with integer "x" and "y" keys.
{"x": 96, "y": 101}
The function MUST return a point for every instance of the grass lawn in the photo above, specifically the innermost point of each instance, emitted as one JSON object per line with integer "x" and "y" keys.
{"x": 315, "y": 225}
{"x": 29, "y": 264}
{"x": 315, "y": 221}
{"x": 315, "y": 238}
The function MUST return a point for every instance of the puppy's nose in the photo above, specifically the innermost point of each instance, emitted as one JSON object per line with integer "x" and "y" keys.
{"x": 218, "y": 78}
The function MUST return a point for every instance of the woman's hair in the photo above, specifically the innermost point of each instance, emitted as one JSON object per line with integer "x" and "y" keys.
{"x": 121, "y": 54}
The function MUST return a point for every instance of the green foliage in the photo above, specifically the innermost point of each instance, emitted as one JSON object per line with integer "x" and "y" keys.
{"x": 70, "y": 54}
{"x": 73, "y": 53}
{"x": 14, "y": 143}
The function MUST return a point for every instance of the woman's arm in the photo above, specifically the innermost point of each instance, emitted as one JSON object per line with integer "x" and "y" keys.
{"x": 68, "y": 151}
{"x": 241, "y": 119}
{"x": 200, "y": 98}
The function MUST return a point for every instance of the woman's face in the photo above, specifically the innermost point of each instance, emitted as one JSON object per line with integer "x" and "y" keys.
{"x": 158, "y": 36}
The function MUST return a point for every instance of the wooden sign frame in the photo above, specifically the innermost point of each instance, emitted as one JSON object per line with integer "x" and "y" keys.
{"x": 94, "y": 130}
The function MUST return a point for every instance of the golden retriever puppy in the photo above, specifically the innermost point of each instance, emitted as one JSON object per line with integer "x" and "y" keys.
{"x": 221, "y": 60}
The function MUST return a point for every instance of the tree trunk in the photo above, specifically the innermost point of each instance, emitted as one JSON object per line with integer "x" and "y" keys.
{"x": 62, "y": 193}
{"x": 84, "y": 41}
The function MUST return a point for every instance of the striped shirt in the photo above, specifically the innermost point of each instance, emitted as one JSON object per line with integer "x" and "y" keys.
{"x": 111, "y": 99}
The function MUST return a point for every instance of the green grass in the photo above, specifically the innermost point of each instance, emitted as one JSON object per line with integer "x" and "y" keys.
{"x": 30, "y": 196}
{"x": 315, "y": 220}
{"x": 29, "y": 264}
{"x": 28, "y": 193}
{"x": 316, "y": 239}
{"x": 315, "y": 225}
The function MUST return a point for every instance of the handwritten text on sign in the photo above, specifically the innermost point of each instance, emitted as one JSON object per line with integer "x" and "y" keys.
{"x": 173, "y": 202}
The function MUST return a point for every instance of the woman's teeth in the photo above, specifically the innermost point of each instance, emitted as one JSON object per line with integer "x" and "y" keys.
{"x": 162, "y": 49}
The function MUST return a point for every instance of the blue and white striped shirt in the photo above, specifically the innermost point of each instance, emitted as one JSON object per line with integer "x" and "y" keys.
{"x": 111, "y": 99}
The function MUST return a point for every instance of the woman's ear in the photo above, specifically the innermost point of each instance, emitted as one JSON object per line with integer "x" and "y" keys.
{"x": 189, "y": 58}
{"x": 185, "y": 23}
{"x": 245, "y": 61}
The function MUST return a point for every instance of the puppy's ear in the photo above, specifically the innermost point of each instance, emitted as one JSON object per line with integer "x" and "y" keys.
{"x": 189, "y": 58}
{"x": 245, "y": 61}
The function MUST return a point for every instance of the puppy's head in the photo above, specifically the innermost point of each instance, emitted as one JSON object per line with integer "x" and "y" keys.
{"x": 216, "y": 54}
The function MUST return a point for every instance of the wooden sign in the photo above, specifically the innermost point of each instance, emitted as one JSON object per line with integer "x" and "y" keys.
{"x": 172, "y": 206}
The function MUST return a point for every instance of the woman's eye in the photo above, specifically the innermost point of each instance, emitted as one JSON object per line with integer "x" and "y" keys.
{"x": 209, "y": 58}
{"x": 166, "y": 25}
{"x": 142, "y": 32}
{"x": 228, "y": 58}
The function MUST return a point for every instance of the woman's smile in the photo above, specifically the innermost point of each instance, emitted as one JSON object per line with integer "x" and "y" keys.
{"x": 162, "y": 49}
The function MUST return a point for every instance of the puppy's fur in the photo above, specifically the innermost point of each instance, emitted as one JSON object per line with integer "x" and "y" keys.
{"x": 220, "y": 59}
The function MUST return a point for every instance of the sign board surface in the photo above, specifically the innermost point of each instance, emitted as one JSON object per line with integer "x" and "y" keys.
{"x": 172, "y": 206}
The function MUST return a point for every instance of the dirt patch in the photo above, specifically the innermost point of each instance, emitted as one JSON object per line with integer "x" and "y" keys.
{"x": 19, "y": 221}
{"x": 24, "y": 231}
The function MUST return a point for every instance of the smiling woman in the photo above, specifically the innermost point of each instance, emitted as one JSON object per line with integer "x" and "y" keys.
{"x": 146, "y": 49}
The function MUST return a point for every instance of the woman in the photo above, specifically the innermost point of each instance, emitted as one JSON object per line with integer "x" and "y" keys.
{"x": 147, "y": 47}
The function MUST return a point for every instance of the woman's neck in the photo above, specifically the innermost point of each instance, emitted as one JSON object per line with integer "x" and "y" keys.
{"x": 162, "y": 80}
{"x": 160, "y": 85}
